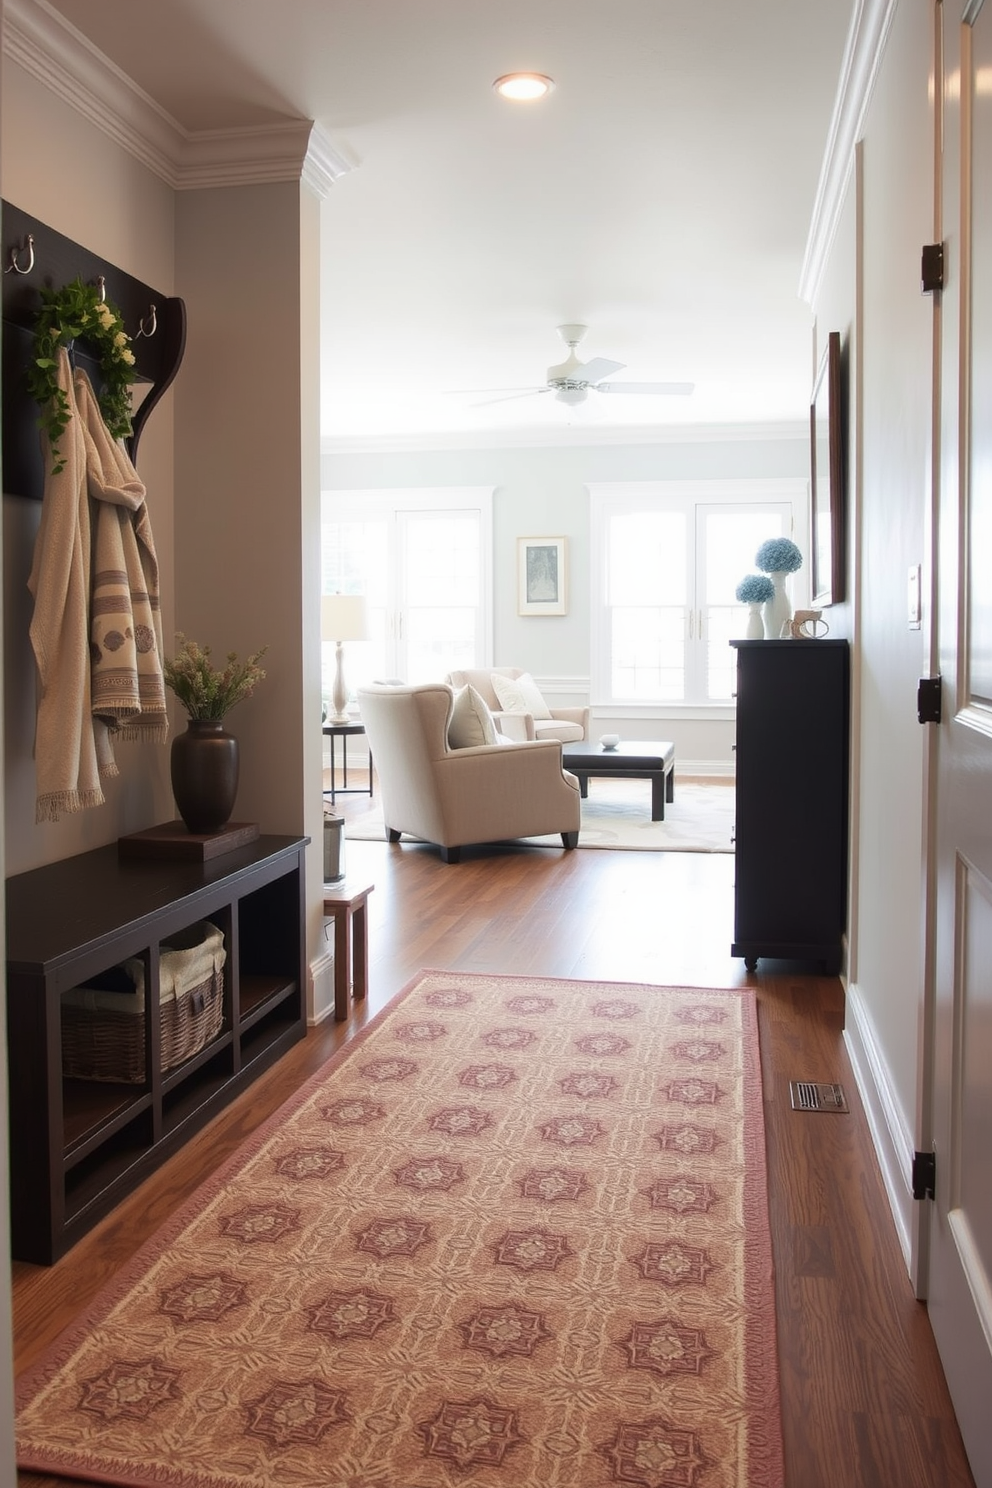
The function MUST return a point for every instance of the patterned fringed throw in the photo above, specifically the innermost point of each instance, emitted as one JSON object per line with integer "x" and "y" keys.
{"x": 514, "y": 1233}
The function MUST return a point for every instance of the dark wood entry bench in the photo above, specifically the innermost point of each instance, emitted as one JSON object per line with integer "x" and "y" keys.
{"x": 636, "y": 759}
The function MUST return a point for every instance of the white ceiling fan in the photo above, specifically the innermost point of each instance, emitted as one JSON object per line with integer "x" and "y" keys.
{"x": 571, "y": 381}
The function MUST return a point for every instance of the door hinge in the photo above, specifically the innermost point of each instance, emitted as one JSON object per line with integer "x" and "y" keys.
{"x": 924, "y": 1175}
{"x": 932, "y": 268}
{"x": 928, "y": 700}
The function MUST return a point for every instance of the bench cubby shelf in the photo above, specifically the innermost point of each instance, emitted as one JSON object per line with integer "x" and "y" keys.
{"x": 77, "y": 1147}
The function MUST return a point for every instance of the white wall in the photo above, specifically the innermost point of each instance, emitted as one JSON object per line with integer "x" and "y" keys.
{"x": 897, "y": 334}
{"x": 871, "y": 293}
{"x": 542, "y": 490}
{"x": 52, "y": 161}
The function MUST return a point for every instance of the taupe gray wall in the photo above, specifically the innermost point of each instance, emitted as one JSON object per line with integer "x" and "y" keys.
{"x": 52, "y": 159}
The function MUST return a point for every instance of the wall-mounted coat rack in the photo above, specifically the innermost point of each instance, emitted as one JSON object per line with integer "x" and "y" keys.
{"x": 34, "y": 255}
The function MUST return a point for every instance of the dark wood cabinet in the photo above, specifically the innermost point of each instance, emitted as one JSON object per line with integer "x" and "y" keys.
{"x": 78, "y": 1146}
{"x": 790, "y": 895}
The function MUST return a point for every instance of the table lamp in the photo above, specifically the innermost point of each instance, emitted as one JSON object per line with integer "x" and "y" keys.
{"x": 343, "y": 618}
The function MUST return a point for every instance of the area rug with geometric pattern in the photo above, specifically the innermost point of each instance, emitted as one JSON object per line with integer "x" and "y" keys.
{"x": 513, "y": 1235}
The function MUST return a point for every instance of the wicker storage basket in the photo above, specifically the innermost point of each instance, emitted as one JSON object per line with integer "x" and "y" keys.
{"x": 103, "y": 1021}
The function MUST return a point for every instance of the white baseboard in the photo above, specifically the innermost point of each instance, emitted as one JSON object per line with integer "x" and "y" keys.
{"x": 892, "y": 1138}
{"x": 320, "y": 1003}
{"x": 724, "y": 768}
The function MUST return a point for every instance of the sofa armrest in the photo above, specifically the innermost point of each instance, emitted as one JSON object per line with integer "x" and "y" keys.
{"x": 491, "y": 792}
{"x": 517, "y": 726}
{"x": 573, "y": 715}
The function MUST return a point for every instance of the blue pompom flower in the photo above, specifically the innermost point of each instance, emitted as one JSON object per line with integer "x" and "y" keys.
{"x": 778, "y": 555}
{"x": 755, "y": 589}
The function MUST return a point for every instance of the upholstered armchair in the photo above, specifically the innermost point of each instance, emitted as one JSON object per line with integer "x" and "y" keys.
{"x": 566, "y": 724}
{"x": 454, "y": 797}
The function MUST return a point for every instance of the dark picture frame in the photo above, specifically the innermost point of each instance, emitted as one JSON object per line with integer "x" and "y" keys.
{"x": 827, "y": 538}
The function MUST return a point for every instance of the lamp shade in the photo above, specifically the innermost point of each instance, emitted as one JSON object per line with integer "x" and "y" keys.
{"x": 343, "y": 617}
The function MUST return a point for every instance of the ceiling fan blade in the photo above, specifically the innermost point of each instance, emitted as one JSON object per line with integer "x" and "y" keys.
{"x": 509, "y": 397}
{"x": 597, "y": 368}
{"x": 674, "y": 388}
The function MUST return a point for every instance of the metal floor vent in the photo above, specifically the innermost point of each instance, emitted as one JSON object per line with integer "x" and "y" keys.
{"x": 809, "y": 1096}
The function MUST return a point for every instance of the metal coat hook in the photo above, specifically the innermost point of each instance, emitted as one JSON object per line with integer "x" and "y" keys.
{"x": 15, "y": 254}
{"x": 149, "y": 325}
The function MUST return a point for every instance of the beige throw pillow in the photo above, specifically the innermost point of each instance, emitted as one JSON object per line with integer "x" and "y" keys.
{"x": 471, "y": 721}
{"x": 520, "y": 695}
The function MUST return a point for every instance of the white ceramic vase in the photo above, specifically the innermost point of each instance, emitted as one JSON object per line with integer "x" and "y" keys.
{"x": 755, "y": 630}
{"x": 777, "y": 610}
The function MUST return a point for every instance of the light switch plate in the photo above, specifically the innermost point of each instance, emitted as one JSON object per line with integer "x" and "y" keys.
{"x": 914, "y": 599}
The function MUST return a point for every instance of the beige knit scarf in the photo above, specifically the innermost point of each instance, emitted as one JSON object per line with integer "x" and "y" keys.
{"x": 128, "y": 691}
{"x": 95, "y": 504}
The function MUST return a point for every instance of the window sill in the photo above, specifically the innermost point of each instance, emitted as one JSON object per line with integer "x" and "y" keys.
{"x": 704, "y": 712}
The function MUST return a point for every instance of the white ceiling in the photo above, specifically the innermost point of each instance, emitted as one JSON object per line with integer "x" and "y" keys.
{"x": 662, "y": 195}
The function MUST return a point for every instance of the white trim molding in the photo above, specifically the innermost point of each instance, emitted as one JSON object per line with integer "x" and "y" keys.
{"x": 567, "y": 437}
{"x": 870, "y": 22}
{"x": 293, "y": 151}
{"x": 320, "y": 1003}
{"x": 63, "y": 60}
{"x": 561, "y": 687}
{"x": 891, "y": 1136}
{"x": 66, "y": 62}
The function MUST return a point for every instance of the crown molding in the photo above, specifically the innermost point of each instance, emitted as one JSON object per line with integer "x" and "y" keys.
{"x": 294, "y": 151}
{"x": 493, "y": 439}
{"x": 866, "y": 38}
{"x": 66, "y": 62}
{"x": 325, "y": 163}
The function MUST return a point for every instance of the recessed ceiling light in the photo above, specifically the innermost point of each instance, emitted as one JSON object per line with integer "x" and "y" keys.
{"x": 523, "y": 87}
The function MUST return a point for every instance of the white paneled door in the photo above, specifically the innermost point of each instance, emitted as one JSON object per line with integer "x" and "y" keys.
{"x": 960, "y": 1283}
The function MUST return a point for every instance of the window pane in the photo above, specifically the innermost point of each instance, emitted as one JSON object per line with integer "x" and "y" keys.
{"x": 648, "y": 649}
{"x": 671, "y": 555}
{"x": 647, "y": 558}
{"x": 730, "y": 541}
{"x": 439, "y": 641}
{"x": 355, "y": 560}
{"x": 442, "y": 606}
{"x": 442, "y": 554}
{"x": 722, "y": 625}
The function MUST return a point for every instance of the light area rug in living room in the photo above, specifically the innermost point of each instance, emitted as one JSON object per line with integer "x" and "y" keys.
{"x": 514, "y": 1233}
{"x": 617, "y": 814}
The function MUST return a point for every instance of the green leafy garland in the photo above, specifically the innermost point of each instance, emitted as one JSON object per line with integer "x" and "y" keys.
{"x": 77, "y": 312}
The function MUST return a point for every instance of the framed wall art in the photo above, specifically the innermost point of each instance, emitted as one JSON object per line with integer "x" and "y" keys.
{"x": 541, "y": 576}
{"x": 826, "y": 485}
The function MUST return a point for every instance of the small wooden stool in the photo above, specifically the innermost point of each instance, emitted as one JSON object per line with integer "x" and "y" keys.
{"x": 346, "y": 904}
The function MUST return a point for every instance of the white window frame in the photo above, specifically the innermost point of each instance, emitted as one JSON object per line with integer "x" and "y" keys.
{"x": 606, "y": 498}
{"x": 394, "y": 504}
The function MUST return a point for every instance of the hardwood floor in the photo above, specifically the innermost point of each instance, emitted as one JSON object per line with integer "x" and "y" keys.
{"x": 863, "y": 1395}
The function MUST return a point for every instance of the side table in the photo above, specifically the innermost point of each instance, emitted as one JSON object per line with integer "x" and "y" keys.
{"x": 344, "y": 731}
{"x": 346, "y": 904}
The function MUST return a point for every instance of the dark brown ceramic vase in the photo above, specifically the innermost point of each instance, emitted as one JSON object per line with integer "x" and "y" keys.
{"x": 205, "y": 774}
